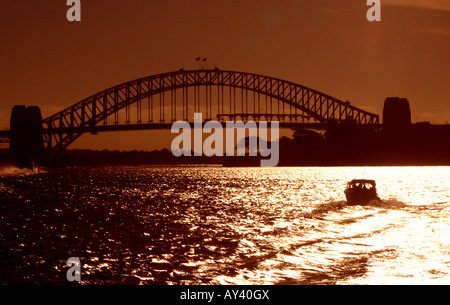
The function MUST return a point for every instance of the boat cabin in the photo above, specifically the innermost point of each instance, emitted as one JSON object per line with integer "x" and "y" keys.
{"x": 362, "y": 184}
{"x": 360, "y": 191}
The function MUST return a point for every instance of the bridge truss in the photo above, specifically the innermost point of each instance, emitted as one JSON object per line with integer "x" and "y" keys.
{"x": 155, "y": 102}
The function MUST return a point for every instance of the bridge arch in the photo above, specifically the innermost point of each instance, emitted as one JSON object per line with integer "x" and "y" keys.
{"x": 64, "y": 127}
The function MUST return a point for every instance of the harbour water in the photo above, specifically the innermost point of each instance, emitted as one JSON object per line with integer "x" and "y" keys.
{"x": 214, "y": 225}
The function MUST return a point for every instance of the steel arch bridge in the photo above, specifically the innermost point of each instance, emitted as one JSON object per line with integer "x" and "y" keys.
{"x": 156, "y": 101}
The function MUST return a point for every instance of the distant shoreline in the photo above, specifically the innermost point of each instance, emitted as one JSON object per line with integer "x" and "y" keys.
{"x": 85, "y": 157}
{"x": 420, "y": 144}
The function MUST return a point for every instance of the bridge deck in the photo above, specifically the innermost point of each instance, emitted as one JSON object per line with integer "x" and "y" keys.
{"x": 150, "y": 126}
{"x": 5, "y": 134}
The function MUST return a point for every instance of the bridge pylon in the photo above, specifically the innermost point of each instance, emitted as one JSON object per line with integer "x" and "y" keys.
{"x": 26, "y": 141}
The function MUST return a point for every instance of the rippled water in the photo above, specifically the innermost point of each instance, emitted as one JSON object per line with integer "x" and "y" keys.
{"x": 214, "y": 225}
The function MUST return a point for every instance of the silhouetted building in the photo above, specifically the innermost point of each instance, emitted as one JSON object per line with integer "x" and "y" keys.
{"x": 396, "y": 113}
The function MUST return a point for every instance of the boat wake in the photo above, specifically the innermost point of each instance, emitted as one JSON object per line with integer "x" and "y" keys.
{"x": 324, "y": 208}
{"x": 388, "y": 204}
{"x": 14, "y": 171}
{"x": 335, "y": 206}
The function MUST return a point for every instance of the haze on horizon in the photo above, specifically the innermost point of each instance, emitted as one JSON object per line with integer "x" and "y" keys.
{"x": 327, "y": 45}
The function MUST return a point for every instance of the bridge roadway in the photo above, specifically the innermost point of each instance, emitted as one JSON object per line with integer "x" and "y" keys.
{"x": 5, "y": 134}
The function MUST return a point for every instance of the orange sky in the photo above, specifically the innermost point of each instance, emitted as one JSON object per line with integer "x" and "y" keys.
{"x": 327, "y": 45}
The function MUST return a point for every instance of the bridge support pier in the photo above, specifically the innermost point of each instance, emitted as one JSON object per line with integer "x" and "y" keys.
{"x": 396, "y": 113}
{"x": 26, "y": 142}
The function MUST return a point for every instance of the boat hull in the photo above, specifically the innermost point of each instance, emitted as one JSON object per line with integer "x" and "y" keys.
{"x": 360, "y": 197}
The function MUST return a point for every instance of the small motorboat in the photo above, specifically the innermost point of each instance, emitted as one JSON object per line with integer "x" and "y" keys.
{"x": 361, "y": 192}
{"x": 28, "y": 164}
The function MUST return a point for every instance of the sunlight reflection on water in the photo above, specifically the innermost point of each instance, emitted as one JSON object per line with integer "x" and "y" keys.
{"x": 214, "y": 225}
